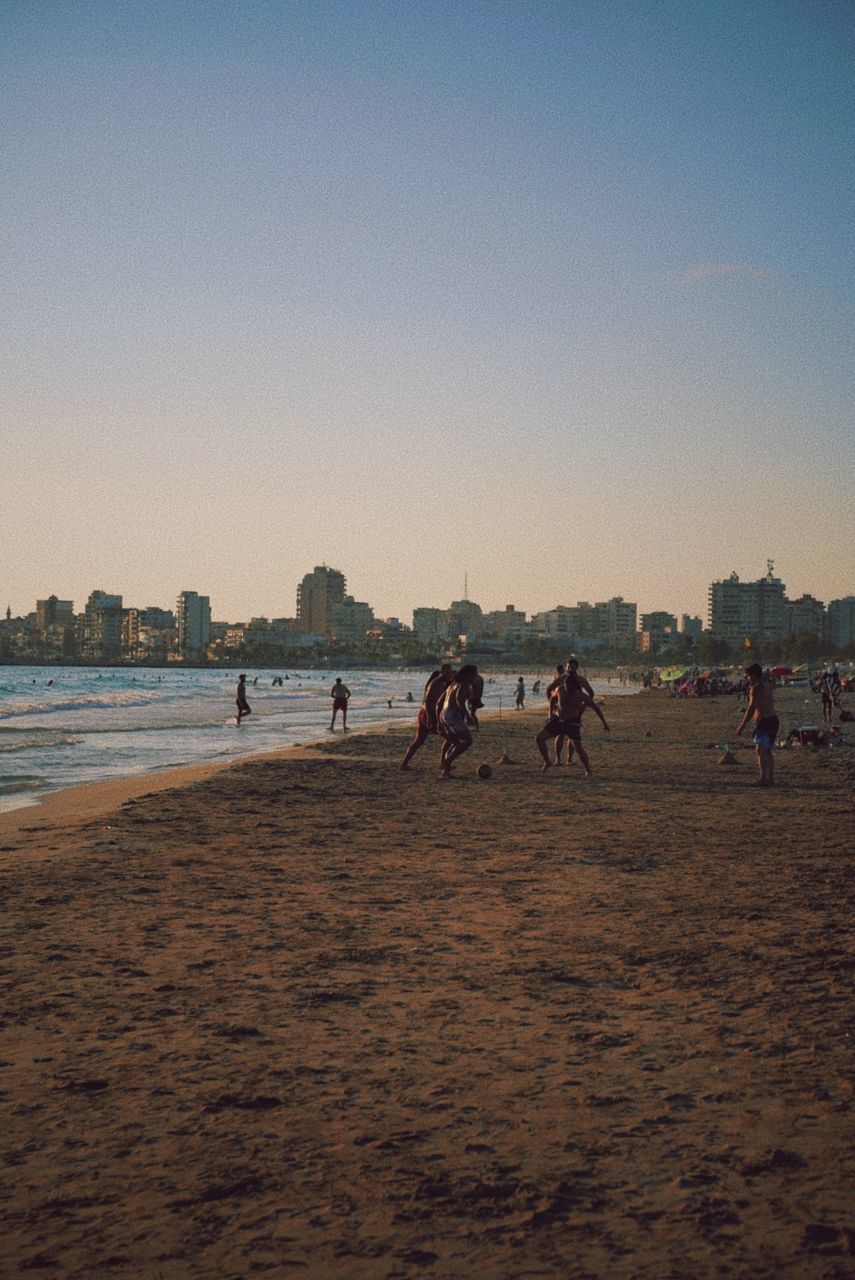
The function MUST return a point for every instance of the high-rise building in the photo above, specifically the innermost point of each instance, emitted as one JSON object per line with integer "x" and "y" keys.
{"x": 691, "y": 626}
{"x": 738, "y": 610}
{"x": 56, "y": 626}
{"x": 504, "y": 623}
{"x": 616, "y": 622}
{"x": 317, "y": 595}
{"x": 193, "y": 620}
{"x": 53, "y": 612}
{"x": 429, "y": 625}
{"x": 351, "y": 619}
{"x": 805, "y": 616}
{"x": 101, "y": 626}
{"x": 656, "y": 631}
{"x": 609, "y": 622}
{"x": 562, "y": 621}
{"x": 464, "y": 618}
{"x": 841, "y": 622}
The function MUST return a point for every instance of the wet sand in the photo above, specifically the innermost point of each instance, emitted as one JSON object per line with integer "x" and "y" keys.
{"x": 312, "y": 1016}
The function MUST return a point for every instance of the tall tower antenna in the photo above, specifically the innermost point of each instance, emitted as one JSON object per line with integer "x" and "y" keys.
{"x": 465, "y": 585}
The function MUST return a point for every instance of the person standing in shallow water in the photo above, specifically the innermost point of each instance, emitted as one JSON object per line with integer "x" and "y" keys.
{"x": 520, "y": 699}
{"x": 339, "y": 694}
{"x": 243, "y": 707}
{"x": 761, "y": 708}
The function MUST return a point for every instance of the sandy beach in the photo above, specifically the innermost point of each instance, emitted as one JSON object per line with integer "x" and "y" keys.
{"x": 311, "y": 1016}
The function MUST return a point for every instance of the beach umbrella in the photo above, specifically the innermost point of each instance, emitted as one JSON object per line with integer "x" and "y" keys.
{"x": 672, "y": 673}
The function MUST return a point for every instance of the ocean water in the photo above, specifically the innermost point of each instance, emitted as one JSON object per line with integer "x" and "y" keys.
{"x": 67, "y": 726}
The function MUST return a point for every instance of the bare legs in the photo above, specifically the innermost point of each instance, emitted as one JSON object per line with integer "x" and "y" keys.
{"x": 452, "y": 749}
{"x": 418, "y": 741}
{"x": 343, "y": 719}
{"x": 766, "y": 765}
{"x": 543, "y": 738}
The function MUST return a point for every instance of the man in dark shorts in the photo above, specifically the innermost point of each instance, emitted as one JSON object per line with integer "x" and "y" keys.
{"x": 428, "y": 718}
{"x": 339, "y": 694}
{"x": 761, "y": 709}
{"x": 243, "y": 707}
{"x": 572, "y": 668}
{"x": 566, "y": 721}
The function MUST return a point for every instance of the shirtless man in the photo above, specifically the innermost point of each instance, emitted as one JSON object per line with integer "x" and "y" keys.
{"x": 428, "y": 719}
{"x": 572, "y": 701}
{"x": 761, "y": 709}
{"x": 339, "y": 694}
{"x": 572, "y": 668}
{"x": 455, "y": 719}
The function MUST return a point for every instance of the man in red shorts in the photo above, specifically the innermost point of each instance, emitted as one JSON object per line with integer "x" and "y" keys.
{"x": 428, "y": 720}
{"x": 339, "y": 694}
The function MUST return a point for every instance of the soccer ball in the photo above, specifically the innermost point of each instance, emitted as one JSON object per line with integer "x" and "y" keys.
{"x": 484, "y": 771}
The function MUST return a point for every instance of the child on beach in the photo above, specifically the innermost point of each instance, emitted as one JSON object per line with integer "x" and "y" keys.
{"x": 761, "y": 708}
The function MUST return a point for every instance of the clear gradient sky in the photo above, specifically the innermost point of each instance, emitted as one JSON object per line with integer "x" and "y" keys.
{"x": 555, "y": 292}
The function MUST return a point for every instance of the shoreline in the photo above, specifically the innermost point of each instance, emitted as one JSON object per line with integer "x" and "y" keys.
{"x": 281, "y": 725}
{"x": 88, "y": 800}
{"x": 72, "y": 805}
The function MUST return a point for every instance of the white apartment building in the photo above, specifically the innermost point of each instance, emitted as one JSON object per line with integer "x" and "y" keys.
{"x": 741, "y": 609}
{"x": 193, "y": 620}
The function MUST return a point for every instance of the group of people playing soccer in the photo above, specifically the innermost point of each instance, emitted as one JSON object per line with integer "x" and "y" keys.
{"x": 452, "y": 700}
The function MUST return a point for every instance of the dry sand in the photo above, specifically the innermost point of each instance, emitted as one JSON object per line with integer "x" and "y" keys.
{"x": 316, "y": 1017}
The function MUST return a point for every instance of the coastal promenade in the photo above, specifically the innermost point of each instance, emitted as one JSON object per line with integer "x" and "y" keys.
{"x": 311, "y": 1016}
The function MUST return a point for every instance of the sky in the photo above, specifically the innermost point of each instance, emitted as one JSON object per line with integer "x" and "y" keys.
{"x": 557, "y": 295}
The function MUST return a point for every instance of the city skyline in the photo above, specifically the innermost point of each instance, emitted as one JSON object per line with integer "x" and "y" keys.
{"x": 306, "y": 619}
{"x": 426, "y": 291}
{"x": 290, "y": 606}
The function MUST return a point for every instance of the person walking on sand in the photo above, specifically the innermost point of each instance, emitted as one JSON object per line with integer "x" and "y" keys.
{"x": 761, "y": 709}
{"x": 243, "y": 707}
{"x": 455, "y": 719}
{"x": 520, "y": 696}
{"x": 339, "y": 694}
{"x": 571, "y": 703}
{"x": 826, "y": 690}
{"x": 428, "y": 717}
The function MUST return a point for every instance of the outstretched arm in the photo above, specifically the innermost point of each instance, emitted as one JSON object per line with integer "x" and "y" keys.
{"x": 749, "y": 712}
{"x": 589, "y": 702}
